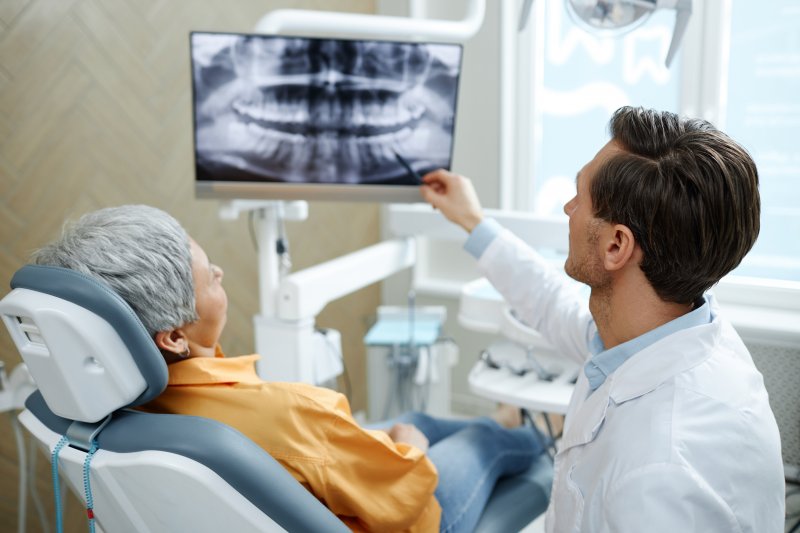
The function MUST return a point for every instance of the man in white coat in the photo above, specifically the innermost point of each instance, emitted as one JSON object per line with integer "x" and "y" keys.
{"x": 669, "y": 428}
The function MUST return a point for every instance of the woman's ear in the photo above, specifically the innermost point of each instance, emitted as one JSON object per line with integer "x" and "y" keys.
{"x": 174, "y": 341}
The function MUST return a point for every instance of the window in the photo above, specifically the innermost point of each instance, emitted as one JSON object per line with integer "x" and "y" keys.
{"x": 582, "y": 80}
{"x": 742, "y": 72}
{"x": 763, "y": 113}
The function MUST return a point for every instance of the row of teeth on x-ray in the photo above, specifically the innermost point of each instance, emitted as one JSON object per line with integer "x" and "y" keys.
{"x": 329, "y": 139}
{"x": 327, "y": 116}
{"x": 327, "y": 157}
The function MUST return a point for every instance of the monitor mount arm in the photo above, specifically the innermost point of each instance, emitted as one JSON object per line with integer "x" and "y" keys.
{"x": 290, "y": 346}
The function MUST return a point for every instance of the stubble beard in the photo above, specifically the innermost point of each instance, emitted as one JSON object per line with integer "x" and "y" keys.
{"x": 589, "y": 270}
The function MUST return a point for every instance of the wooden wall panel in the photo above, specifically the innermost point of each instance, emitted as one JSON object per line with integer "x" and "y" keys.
{"x": 95, "y": 111}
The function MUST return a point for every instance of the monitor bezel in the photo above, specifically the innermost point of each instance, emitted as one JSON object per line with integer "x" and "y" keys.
{"x": 335, "y": 192}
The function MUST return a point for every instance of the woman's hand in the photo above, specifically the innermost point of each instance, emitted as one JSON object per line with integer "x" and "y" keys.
{"x": 408, "y": 434}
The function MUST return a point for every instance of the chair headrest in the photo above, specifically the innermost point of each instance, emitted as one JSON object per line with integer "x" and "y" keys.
{"x": 84, "y": 346}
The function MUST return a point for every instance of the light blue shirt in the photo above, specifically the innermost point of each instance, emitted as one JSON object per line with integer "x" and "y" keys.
{"x": 603, "y": 362}
{"x": 481, "y": 237}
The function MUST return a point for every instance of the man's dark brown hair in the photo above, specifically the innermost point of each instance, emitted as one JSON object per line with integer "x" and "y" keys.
{"x": 689, "y": 194}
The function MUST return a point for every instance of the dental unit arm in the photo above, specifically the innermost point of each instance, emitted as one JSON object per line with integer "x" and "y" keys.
{"x": 291, "y": 347}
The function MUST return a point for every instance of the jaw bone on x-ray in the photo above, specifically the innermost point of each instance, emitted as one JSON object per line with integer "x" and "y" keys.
{"x": 299, "y": 110}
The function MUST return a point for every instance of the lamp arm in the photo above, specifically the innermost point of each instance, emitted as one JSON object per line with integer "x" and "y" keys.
{"x": 683, "y": 11}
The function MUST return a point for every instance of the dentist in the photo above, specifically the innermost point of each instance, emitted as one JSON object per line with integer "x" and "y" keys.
{"x": 669, "y": 428}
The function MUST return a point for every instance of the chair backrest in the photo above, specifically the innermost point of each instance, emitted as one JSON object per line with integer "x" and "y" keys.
{"x": 85, "y": 347}
{"x": 91, "y": 357}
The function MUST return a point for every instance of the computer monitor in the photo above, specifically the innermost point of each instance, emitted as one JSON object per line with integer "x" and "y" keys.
{"x": 279, "y": 117}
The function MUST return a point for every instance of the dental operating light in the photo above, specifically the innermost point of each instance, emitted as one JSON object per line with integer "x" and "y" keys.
{"x": 611, "y": 18}
{"x": 617, "y": 17}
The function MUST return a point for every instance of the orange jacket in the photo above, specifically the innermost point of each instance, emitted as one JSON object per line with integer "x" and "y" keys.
{"x": 370, "y": 482}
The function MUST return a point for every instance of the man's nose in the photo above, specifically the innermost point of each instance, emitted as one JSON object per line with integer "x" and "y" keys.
{"x": 569, "y": 207}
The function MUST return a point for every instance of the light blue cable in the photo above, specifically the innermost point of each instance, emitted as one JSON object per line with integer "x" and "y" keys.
{"x": 87, "y": 487}
{"x": 56, "y": 485}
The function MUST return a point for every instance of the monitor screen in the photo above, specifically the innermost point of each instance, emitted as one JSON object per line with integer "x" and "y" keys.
{"x": 320, "y": 119}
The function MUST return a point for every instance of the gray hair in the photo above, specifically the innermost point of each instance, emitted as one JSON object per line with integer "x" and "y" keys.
{"x": 139, "y": 251}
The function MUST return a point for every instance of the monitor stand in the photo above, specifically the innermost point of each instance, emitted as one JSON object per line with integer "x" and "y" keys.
{"x": 292, "y": 349}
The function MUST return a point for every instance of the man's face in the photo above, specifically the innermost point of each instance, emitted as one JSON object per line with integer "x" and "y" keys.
{"x": 584, "y": 262}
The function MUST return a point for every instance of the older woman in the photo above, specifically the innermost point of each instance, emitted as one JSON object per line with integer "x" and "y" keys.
{"x": 422, "y": 474}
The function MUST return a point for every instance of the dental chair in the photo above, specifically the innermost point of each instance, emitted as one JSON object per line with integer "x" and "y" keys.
{"x": 93, "y": 360}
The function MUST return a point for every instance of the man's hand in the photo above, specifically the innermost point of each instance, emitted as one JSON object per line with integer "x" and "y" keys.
{"x": 454, "y": 196}
{"x": 409, "y": 434}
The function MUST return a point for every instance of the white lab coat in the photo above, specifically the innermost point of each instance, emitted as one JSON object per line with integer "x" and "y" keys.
{"x": 680, "y": 438}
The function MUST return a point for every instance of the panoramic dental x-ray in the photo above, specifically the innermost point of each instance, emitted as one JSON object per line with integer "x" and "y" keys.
{"x": 297, "y": 110}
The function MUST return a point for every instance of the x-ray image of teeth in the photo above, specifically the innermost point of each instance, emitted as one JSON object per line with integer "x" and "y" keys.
{"x": 296, "y": 110}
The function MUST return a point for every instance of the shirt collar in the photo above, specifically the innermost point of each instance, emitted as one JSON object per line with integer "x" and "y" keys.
{"x": 214, "y": 370}
{"x": 604, "y": 362}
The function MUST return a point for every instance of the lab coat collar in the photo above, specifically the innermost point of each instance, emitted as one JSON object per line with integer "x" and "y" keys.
{"x": 655, "y": 365}
{"x": 583, "y": 423}
{"x": 666, "y": 358}
{"x": 639, "y": 375}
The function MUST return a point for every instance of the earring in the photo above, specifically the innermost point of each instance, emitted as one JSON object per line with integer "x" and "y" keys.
{"x": 185, "y": 353}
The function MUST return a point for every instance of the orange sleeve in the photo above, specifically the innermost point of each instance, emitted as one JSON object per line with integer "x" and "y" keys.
{"x": 388, "y": 486}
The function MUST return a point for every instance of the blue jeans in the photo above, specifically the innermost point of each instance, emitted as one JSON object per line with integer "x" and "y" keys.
{"x": 471, "y": 455}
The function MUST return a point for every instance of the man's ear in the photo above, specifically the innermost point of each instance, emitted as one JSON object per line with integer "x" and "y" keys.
{"x": 619, "y": 247}
{"x": 174, "y": 341}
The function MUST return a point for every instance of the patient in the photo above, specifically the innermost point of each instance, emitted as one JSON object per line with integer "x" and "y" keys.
{"x": 421, "y": 474}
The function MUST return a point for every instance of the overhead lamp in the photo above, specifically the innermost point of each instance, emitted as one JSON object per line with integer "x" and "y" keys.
{"x": 616, "y": 17}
